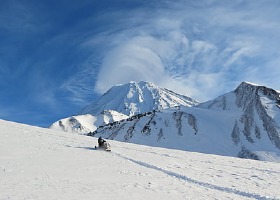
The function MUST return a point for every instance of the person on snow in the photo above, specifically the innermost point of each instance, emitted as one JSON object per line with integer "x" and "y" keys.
{"x": 101, "y": 142}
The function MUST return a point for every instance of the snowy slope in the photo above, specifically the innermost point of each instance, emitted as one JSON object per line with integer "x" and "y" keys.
{"x": 37, "y": 163}
{"x": 84, "y": 124}
{"x": 120, "y": 102}
{"x": 243, "y": 123}
{"x": 137, "y": 97}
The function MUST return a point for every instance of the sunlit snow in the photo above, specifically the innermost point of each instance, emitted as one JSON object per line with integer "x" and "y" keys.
{"x": 37, "y": 163}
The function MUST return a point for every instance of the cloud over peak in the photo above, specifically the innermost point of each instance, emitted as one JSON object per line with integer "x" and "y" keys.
{"x": 188, "y": 47}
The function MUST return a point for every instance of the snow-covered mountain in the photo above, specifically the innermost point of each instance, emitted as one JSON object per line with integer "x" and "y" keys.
{"x": 44, "y": 164}
{"x": 243, "y": 123}
{"x": 83, "y": 124}
{"x": 260, "y": 112}
{"x": 118, "y": 103}
{"x": 136, "y": 98}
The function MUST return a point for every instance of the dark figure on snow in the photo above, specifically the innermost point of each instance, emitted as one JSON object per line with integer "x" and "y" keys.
{"x": 101, "y": 142}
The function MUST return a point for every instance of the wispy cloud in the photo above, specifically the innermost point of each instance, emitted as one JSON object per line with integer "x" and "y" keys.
{"x": 59, "y": 55}
{"x": 194, "y": 47}
{"x": 198, "y": 48}
{"x": 78, "y": 88}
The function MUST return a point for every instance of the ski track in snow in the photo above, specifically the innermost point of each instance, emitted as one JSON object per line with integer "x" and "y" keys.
{"x": 209, "y": 162}
{"x": 38, "y": 163}
{"x": 190, "y": 180}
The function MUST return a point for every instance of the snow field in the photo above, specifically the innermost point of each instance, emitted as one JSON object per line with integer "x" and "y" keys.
{"x": 37, "y": 163}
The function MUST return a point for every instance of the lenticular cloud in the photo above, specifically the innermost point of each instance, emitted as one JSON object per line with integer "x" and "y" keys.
{"x": 178, "y": 47}
{"x": 141, "y": 58}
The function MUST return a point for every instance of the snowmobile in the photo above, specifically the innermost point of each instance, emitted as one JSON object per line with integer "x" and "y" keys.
{"x": 106, "y": 146}
{"x": 103, "y": 144}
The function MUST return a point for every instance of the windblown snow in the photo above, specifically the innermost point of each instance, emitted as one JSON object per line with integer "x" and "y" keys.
{"x": 37, "y": 163}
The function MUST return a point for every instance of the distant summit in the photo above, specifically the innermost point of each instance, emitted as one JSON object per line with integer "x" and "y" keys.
{"x": 242, "y": 123}
{"x": 120, "y": 102}
{"x": 137, "y": 97}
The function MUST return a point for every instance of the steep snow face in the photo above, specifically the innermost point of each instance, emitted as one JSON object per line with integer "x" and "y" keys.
{"x": 259, "y": 112}
{"x": 37, "y": 163}
{"x": 243, "y": 123}
{"x": 83, "y": 124}
{"x": 259, "y": 104}
{"x": 137, "y": 97}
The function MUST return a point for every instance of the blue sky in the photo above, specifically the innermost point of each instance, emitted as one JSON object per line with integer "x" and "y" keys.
{"x": 56, "y": 57}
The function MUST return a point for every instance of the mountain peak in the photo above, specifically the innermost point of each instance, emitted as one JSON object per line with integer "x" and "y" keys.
{"x": 249, "y": 83}
{"x": 142, "y": 83}
{"x": 247, "y": 118}
{"x": 135, "y": 83}
{"x": 137, "y": 97}
{"x": 248, "y": 91}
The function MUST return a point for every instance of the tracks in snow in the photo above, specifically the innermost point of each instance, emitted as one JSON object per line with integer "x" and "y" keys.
{"x": 196, "y": 182}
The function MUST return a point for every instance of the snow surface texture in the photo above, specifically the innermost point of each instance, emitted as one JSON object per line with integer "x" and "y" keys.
{"x": 243, "y": 123}
{"x": 37, "y": 163}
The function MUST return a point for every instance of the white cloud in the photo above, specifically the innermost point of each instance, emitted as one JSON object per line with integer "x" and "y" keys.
{"x": 131, "y": 61}
{"x": 202, "y": 46}
{"x": 192, "y": 48}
